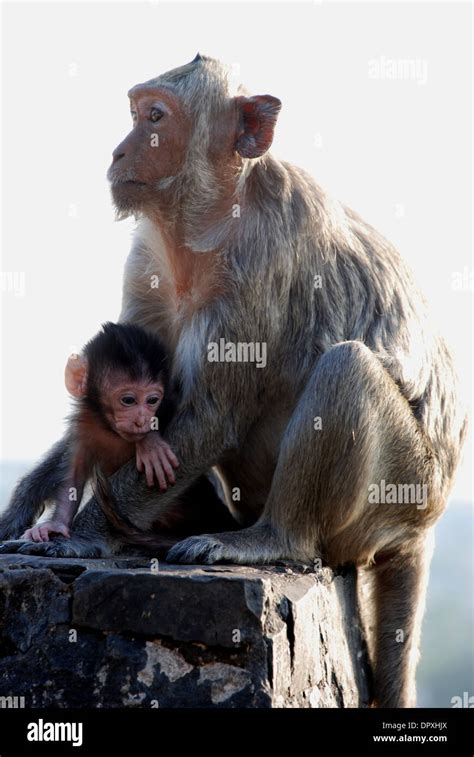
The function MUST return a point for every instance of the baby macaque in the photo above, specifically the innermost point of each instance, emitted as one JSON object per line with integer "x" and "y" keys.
{"x": 119, "y": 383}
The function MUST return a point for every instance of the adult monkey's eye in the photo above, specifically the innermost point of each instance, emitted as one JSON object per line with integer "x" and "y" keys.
{"x": 156, "y": 114}
{"x": 133, "y": 114}
{"x": 127, "y": 400}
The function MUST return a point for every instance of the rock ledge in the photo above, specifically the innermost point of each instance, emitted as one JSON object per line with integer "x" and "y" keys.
{"x": 129, "y": 632}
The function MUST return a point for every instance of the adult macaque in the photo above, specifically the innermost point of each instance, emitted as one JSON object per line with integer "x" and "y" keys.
{"x": 357, "y": 391}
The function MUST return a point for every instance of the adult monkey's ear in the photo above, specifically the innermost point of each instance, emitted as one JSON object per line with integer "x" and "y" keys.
{"x": 75, "y": 376}
{"x": 257, "y": 118}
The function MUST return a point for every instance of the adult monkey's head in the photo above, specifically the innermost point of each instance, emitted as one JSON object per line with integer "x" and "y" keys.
{"x": 190, "y": 139}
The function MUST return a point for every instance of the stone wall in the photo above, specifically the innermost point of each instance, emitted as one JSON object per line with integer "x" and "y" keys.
{"x": 135, "y": 633}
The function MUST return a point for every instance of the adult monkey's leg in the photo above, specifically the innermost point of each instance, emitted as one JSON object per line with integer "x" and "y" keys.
{"x": 319, "y": 502}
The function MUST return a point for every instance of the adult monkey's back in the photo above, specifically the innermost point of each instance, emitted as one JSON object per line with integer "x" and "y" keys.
{"x": 236, "y": 239}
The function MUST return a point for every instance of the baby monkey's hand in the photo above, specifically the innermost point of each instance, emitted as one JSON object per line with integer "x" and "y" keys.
{"x": 42, "y": 531}
{"x": 157, "y": 458}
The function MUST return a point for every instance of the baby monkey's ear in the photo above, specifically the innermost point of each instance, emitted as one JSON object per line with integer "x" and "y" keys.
{"x": 75, "y": 376}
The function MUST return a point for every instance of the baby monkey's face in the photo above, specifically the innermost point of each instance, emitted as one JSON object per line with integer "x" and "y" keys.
{"x": 130, "y": 406}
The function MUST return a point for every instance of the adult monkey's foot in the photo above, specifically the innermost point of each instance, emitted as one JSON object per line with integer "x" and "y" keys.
{"x": 255, "y": 545}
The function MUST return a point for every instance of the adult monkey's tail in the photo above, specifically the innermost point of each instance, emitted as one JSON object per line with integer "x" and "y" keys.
{"x": 120, "y": 525}
{"x": 200, "y": 510}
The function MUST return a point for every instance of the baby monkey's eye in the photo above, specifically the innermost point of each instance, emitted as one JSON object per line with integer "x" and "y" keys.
{"x": 153, "y": 400}
{"x": 127, "y": 400}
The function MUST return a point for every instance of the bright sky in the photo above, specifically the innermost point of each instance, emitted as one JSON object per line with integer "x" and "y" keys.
{"x": 397, "y": 150}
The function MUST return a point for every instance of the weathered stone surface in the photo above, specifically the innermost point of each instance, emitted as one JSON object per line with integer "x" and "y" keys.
{"x": 31, "y": 601}
{"x": 128, "y": 632}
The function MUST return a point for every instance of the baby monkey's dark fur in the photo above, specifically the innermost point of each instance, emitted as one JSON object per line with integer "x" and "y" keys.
{"x": 99, "y": 441}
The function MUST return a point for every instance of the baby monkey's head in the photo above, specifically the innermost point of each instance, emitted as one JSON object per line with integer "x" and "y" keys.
{"x": 122, "y": 374}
